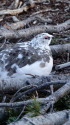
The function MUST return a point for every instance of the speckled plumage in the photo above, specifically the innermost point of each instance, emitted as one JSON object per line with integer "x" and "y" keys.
{"x": 33, "y": 57}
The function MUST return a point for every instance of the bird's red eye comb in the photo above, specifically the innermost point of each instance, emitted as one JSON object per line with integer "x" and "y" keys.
{"x": 46, "y": 37}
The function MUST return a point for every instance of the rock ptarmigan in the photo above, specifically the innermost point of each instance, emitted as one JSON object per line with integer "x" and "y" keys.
{"x": 27, "y": 58}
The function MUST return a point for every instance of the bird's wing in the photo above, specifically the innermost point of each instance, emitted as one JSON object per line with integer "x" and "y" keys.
{"x": 21, "y": 56}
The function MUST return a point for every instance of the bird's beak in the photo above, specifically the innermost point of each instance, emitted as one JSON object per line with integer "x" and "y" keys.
{"x": 52, "y": 36}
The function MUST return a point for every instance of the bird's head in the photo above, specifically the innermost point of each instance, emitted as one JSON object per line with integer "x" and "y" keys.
{"x": 42, "y": 39}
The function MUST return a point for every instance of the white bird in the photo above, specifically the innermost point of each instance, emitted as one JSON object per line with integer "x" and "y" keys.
{"x": 27, "y": 58}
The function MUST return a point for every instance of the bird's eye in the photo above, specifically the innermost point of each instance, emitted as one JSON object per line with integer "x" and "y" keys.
{"x": 46, "y": 37}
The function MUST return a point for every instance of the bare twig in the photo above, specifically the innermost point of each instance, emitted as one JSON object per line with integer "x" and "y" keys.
{"x": 16, "y": 3}
{"x": 22, "y": 103}
{"x": 51, "y": 88}
{"x": 23, "y": 88}
{"x": 3, "y": 44}
{"x": 36, "y": 88}
{"x": 20, "y": 114}
{"x": 68, "y": 56}
{"x": 4, "y": 99}
{"x": 41, "y": 11}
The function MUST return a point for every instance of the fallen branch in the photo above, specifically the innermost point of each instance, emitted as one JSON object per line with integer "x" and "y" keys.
{"x": 24, "y": 33}
{"x": 16, "y": 3}
{"x": 21, "y": 24}
{"x": 68, "y": 122}
{"x": 61, "y": 66}
{"x": 48, "y": 119}
{"x": 58, "y": 49}
{"x": 17, "y": 11}
{"x": 52, "y": 98}
{"x": 64, "y": 90}
{"x": 42, "y": 1}
{"x": 42, "y": 11}
{"x": 36, "y": 88}
{"x": 13, "y": 12}
{"x": 22, "y": 103}
{"x": 11, "y": 84}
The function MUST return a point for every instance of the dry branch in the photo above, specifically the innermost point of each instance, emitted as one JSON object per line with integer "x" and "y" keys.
{"x": 61, "y": 66}
{"x": 16, "y": 11}
{"x": 59, "y": 49}
{"x": 42, "y": 1}
{"x": 48, "y": 119}
{"x": 24, "y": 33}
{"x": 21, "y": 24}
{"x": 61, "y": 117}
{"x": 16, "y": 3}
{"x": 13, "y": 84}
{"x": 42, "y": 11}
{"x": 52, "y": 98}
{"x": 22, "y": 103}
{"x": 60, "y": 92}
{"x": 12, "y": 12}
{"x": 36, "y": 88}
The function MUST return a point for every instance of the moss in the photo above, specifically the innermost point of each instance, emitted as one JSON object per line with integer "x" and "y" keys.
{"x": 11, "y": 119}
{"x": 33, "y": 109}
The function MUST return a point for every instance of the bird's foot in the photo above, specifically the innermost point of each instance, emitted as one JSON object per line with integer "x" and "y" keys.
{"x": 33, "y": 76}
{"x": 46, "y": 79}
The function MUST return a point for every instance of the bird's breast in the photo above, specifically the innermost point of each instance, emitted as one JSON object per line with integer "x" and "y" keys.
{"x": 39, "y": 68}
